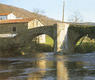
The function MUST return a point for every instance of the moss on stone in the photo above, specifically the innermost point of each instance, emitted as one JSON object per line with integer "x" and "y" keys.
{"x": 84, "y": 29}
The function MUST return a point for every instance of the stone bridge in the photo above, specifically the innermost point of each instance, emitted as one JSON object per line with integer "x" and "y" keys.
{"x": 65, "y": 35}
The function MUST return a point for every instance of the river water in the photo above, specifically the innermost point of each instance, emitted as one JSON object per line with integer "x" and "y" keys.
{"x": 47, "y": 66}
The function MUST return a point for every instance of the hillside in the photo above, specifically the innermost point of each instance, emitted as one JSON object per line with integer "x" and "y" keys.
{"x": 19, "y": 12}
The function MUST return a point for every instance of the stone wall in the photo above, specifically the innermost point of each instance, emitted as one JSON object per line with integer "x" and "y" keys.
{"x": 34, "y": 24}
{"x": 8, "y": 28}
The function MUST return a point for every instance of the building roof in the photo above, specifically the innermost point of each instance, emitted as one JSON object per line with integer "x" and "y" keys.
{"x": 3, "y": 14}
{"x": 16, "y": 20}
{"x": 22, "y": 13}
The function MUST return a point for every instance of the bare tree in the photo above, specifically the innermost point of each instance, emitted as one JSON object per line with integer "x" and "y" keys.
{"x": 38, "y": 11}
{"x": 76, "y": 17}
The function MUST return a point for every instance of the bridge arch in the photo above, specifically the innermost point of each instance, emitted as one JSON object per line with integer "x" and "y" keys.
{"x": 85, "y": 44}
{"x": 41, "y": 30}
{"x": 45, "y": 36}
{"x": 89, "y": 35}
{"x": 43, "y": 43}
{"x": 29, "y": 35}
{"x": 71, "y": 35}
{"x": 76, "y": 32}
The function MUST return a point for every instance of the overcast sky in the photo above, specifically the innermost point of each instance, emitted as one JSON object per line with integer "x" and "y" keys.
{"x": 53, "y": 8}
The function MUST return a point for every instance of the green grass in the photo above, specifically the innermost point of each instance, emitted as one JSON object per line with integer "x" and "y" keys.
{"x": 49, "y": 41}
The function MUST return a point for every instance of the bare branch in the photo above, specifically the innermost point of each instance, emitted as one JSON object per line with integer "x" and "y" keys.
{"x": 76, "y": 17}
{"x": 38, "y": 11}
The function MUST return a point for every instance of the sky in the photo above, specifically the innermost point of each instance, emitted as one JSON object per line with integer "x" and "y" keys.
{"x": 54, "y": 8}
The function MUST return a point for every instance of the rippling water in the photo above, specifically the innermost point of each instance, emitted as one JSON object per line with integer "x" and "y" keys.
{"x": 47, "y": 66}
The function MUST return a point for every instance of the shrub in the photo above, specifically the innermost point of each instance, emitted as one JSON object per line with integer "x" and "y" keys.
{"x": 85, "y": 47}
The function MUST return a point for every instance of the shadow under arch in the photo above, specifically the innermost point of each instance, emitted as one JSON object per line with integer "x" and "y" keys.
{"x": 46, "y": 38}
{"x": 43, "y": 43}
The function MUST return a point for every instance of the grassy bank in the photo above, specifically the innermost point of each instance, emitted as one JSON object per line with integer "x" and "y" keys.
{"x": 8, "y": 47}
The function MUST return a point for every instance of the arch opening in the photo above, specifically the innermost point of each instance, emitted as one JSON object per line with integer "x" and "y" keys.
{"x": 85, "y": 44}
{"x": 40, "y": 43}
{"x": 43, "y": 43}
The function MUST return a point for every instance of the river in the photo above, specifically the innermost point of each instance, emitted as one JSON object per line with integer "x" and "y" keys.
{"x": 47, "y": 66}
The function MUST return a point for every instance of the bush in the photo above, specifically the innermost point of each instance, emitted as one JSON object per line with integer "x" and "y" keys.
{"x": 43, "y": 48}
{"x": 85, "y": 47}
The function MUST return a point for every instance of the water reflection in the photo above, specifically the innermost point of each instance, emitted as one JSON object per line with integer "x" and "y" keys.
{"x": 81, "y": 66}
{"x": 62, "y": 73}
{"x": 47, "y": 66}
{"x": 50, "y": 67}
{"x": 44, "y": 67}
